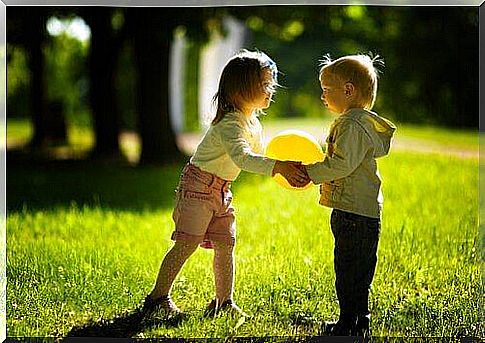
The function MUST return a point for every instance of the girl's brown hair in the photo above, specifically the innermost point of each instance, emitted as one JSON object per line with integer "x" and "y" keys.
{"x": 241, "y": 80}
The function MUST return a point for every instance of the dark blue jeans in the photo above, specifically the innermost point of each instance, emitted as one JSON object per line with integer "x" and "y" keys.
{"x": 355, "y": 259}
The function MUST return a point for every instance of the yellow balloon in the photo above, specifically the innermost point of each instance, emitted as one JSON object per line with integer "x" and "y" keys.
{"x": 294, "y": 145}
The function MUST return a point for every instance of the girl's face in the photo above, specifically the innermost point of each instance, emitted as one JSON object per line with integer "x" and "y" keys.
{"x": 263, "y": 96}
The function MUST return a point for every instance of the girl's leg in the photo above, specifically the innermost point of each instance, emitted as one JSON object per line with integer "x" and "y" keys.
{"x": 223, "y": 271}
{"x": 171, "y": 265}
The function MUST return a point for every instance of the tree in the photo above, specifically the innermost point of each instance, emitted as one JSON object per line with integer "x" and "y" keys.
{"x": 35, "y": 40}
{"x": 152, "y": 29}
{"x": 28, "y": 29}
{"x": 104, "y": 51}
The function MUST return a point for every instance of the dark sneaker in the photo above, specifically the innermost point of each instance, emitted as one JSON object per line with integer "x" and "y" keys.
{"x": 162, "y": 308}
{"x": 362, "y": 328}
{"x": 338, "y": 328}
{"x": 228, "y": 306}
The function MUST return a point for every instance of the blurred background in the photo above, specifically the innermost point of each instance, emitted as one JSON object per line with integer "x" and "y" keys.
{"x": 105, "y": 104}
{"x": 136, "y": 84}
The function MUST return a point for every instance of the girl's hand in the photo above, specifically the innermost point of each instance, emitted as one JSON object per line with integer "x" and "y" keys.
{"x": 294, "y": 172}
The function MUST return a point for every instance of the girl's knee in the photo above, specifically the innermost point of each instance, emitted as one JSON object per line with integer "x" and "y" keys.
{"x": 223, "y": 247}
{"x": 185, "y": 246}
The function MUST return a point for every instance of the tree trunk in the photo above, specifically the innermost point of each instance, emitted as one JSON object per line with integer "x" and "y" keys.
{"x": 102, "y": 66}
{"x": 152, "y": 36}
{"x": 35, "y": 39}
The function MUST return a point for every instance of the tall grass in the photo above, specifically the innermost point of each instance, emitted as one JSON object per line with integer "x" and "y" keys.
{"x": 85, "y": 243}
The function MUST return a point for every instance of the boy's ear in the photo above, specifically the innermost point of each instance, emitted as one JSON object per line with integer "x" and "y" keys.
{"x": 349, "y": 88}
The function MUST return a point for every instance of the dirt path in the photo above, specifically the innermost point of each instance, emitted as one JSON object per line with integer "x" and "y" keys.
{"x": 189, "y": 141}
{"x": 427, "y": 147}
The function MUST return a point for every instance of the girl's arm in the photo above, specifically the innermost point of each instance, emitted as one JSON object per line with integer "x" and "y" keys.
{"x": 233, "y": 139}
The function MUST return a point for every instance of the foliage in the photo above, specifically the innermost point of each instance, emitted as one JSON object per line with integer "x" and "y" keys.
{"x": 431, "y": 73}
{"x": 18, "y": 80}
{"x": 65, "y": 72}
{"x": 66, "y": 75}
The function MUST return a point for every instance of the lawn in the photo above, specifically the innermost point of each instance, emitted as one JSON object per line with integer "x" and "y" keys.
{"x": 84, "y": 243}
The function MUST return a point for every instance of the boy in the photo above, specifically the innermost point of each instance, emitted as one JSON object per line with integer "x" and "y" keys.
{"x": 350, "y": 183}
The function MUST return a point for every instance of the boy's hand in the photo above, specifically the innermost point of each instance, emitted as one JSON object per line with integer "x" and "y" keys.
{"x": 294, "y": 172}
{"x": 307, "y": 179}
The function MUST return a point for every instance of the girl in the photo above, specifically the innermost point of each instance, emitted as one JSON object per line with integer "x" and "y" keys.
{"x": 203, "y": 213}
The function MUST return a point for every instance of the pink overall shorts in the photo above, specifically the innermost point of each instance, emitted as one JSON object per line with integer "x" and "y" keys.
{"x": 203, "y": 212}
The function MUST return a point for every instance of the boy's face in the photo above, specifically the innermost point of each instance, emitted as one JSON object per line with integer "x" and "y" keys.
{"x": 333, "y": 94}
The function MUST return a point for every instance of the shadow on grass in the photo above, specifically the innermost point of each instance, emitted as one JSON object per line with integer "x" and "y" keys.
{"x": 45, "y": 184}
{"x": 127, "y": 324}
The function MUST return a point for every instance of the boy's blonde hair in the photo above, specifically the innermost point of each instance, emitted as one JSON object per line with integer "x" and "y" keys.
{"x": 360, "y": 70}
{"x": 241, "y": 80}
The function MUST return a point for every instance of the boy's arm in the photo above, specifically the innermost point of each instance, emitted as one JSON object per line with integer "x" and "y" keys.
{"x": 350, "y": 147}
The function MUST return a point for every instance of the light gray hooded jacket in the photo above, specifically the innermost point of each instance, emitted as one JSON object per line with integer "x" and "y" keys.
{"x": 348, "y": 174}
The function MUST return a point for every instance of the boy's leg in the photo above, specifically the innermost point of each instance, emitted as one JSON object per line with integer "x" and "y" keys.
{"x": 370, "y": 229}
{"x": 368, "y": 260}
{"x": 356, "y": 239}
{"x": 370, "y": 240}
{"x": 344, "y": 265}
{"x": 170, "y": 267}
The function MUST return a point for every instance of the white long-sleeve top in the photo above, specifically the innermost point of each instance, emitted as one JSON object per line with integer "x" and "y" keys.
{"x": 233, "y": 144}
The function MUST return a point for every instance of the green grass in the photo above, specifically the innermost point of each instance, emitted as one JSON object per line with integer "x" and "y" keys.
{"x": 84, "y": 242}
{"x": 20, "y": 131}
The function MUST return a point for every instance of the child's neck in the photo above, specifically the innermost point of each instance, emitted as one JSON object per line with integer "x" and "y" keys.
{"x": 351, "y": 102}
{"x": 247, "y": 111}
{"x": 350, "y": 108}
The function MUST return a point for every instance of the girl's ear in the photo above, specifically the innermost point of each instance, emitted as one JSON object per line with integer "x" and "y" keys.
{"x": 349, "y": 88}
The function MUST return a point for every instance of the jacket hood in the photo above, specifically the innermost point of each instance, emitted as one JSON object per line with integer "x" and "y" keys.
{"x": 380, "y": 129}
